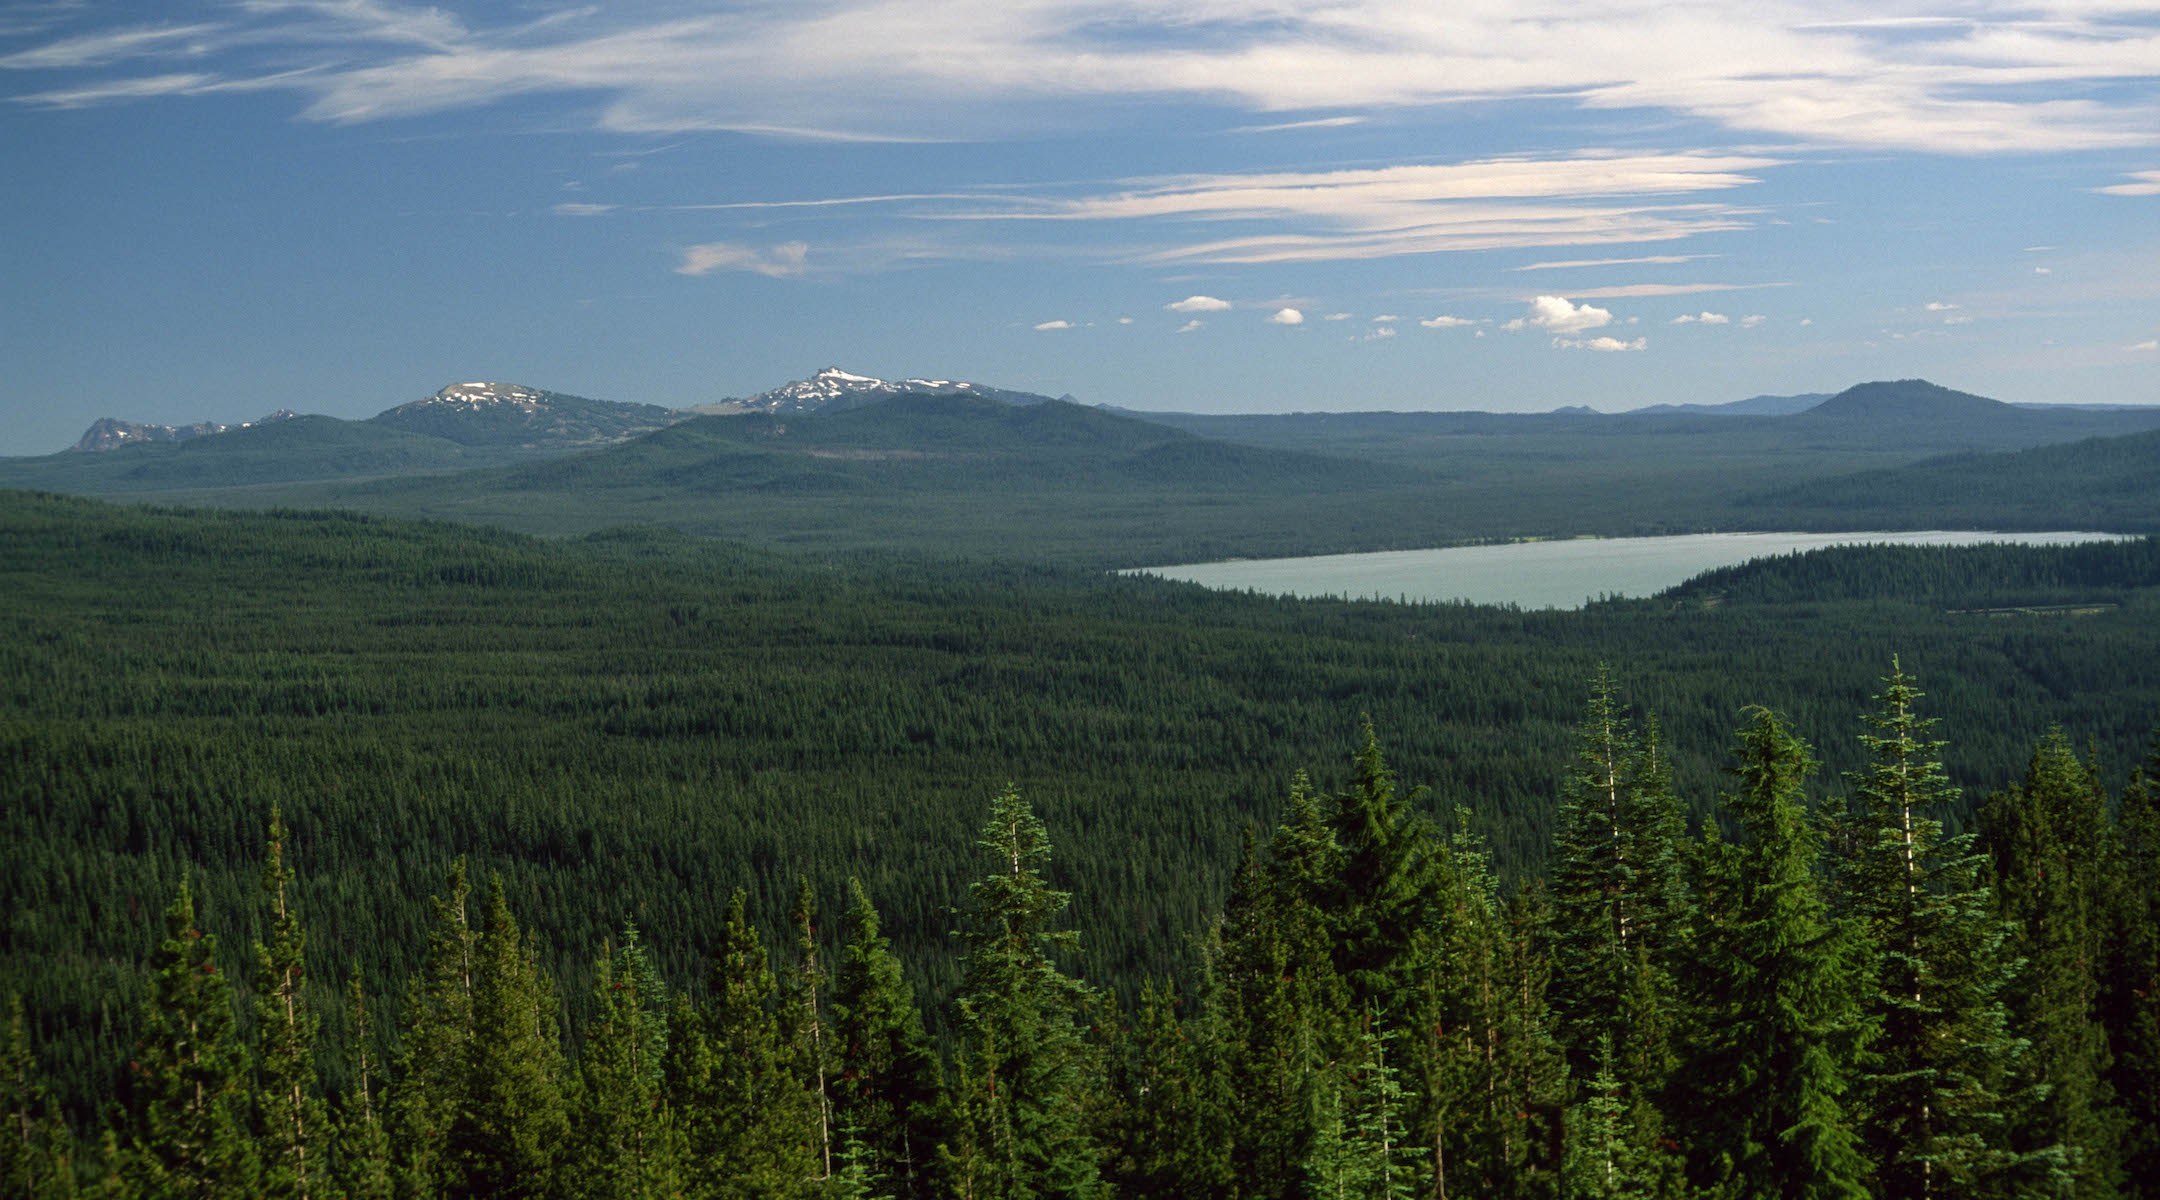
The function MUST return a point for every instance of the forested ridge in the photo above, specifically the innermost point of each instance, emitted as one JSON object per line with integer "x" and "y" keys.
{"x": 625, "y": 729}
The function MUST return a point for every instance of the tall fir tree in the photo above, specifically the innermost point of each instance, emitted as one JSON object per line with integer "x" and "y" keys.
{"x": 1277, "y": 1009}
{"x": 37, "y": 1151}
{"x": 886, "y": 1097}
{"x": 1171, "y": 1109}
{"x": 1932, "y": 1094}
{"x": 2046, "y": 840}
{"x": 1382, "y": 902}
{"x": 1775, "y": 1031}
{"x": 1616, "y": 900}
{"x": 512, "y": 1125}
{"x": 2130, "y": 994}
{"x": 187, "y": 1102}
{"x": 435, "y": 1049}
{"x": 363, "y": 1145}
{"x": 803, "y": 1007}
{"x": 291, "y": 1125}
{"x": 624, "y": 1140}
{"x": 730, "y": 1076}
{"x": 1020, "y": 1020}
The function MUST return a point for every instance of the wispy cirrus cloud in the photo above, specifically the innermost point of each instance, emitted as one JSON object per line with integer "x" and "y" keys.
{"x": 1628, "y": 291}
{"x": 1989, "y": 77}
{"x": 1413, "y": 208}
{"x": 1646, "y": 259}
{"x": 2142, "y": 183}
{"x": 103, "y": 49}
{"x": 137, "y": 88}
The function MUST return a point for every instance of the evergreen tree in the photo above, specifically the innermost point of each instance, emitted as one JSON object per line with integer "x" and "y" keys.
{"x": 804, "y": 1006}
{"x": 435, "y": 1056}
{"x": 1931, "y": 1095}
{"x": 187, "y": 1095}
{"x": 1616, "y": 899}
{"x": 1171, "y": 1112}
{"x": 1382, "y": 898}
{"x": 1489, "y": 1079}
{"x": 1020, "y": 1019}
{"x": 887, "y": 1095}
{"x": 513, "y": 1124}
{"x": 364, "y": 1168}
{"x": 37, "y": 1151}
{"x": 1360, "y": 1148}
{"x": 290, "y": 1123}
{"x": 2130, "y": 999}
{"x": 730, "y": 1077}
{"x": 1775, "y": 1030}
{"x": 1277, "y": 1010}
{"x": 624, "y": 1139}
{"x": 2046, "y": 839}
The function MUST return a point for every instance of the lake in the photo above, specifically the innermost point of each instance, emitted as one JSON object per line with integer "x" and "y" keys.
{"x": 1553, "y": 574}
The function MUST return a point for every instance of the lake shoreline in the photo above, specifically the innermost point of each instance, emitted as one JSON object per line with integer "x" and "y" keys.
{"x": 1552, "y": 573}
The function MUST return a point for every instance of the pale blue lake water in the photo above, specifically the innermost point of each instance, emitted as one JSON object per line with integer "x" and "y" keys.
{"x": 1561, "y": 574}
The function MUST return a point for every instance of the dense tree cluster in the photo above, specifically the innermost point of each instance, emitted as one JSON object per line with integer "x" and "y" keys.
{"x": 1821, "y": 993}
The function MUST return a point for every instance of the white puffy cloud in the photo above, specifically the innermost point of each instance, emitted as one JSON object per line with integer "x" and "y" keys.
{"x": 1385, "y": 318}
{"x": 1287, "y": 316}
{"x": 1702, "y": 318}
{"x": 1336, "y": 317}
{"x": 1047, "y": 326}
{"x": 1124, "y": 320}
{"x": 777, "y": 262}
{"x": 1940, "y": 306}
{"x": 1191, "y": 325}
{"x": 1378, "y": 333}
{"x": 1447, "y": 322}
{"x": 2147, "y": 344}
{"x": 1610, "y": 345}
{"x": 1753, "y": 319}
{"x": 1555, "y": 314}
{"x": 1193, "y": 304}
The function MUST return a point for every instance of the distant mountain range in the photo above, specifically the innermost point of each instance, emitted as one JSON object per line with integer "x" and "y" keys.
{"x": 1753, "y": 406}
{"x": 504, "y": 415}
{"x": 835, "y": 390}
{"x": 508, "y": 414}
{"x": 111, "y": 433}
{"x": 848, "y": 461}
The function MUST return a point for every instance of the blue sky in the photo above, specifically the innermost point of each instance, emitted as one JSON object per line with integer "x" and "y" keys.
{"x": 216, "y": 209}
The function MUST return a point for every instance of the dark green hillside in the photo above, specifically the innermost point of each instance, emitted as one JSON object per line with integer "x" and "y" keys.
{"x": 1902, "y": 401}
{"x": 2110, "y": 483}
{"x": 302, "y": 448}
{"x": 2000, "y": 576}
{"x": 633, "y": 723}
{"x": 1057, "y": 482}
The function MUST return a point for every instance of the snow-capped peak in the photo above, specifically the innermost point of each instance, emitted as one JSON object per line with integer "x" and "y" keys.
{"x": 485, "y": 394}
{"x": 833, "y": 388}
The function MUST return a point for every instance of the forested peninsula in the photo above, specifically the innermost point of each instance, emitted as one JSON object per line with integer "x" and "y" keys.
{"x": 689, "y": 869}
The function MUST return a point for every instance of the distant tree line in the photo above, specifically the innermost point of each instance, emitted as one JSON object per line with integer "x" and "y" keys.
{"x": 1809, "y": 997}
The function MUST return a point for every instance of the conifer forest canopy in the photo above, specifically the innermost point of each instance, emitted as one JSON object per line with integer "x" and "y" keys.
{"x": 347, "y": 855}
